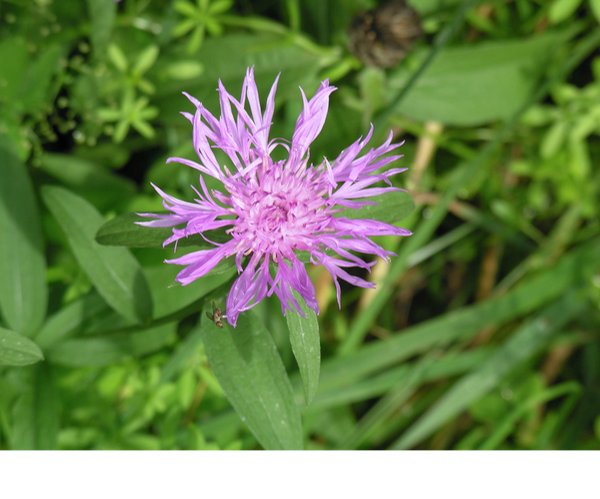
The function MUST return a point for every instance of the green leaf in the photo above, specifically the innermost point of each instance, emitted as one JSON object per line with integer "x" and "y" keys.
{"x": 306, "y": 345}
{"x": 391, "y": 207}
{"x": 186, "y": 8}
{"x": 143, "y": 128}
{"x": 103, "y": 189}
{"x": 120, "y": 131}
{"x": 196, "y": 40}
{"x": 23, "y": 289}
{"x": 111, "y": 348}
{"x": 184, "y": 70}
{"x": 18, "y": 350}
{"x": 577, "y": 266}
{"x": 248, "y": 367}
{"x": 146, "y": 59}
{"x": 553, "y": 139}
{"x": 15, "y": 59}
{"x": 115, "y": 272}
{"x": 213, "y": 27}
{"x": 219, "y": 6}
{"x": 34, "y": 89}
{"x": 227, "y": 58}
{"x": 109, "y": 114}
{"x": 69, "y": 320}
{"x": 123, "y": 231}
{"x": 118, "y": 57}
{"x": 35, "y": 414}
{"x": 169, "y": 296}
{"x": 473, "y": 84}
{"x": 184, "y": 27}
{"x": 102, "y": 15}
{"x": 180, "y": 358}
{"x": 595, "y": 6}
{"x": 525, "y": 342}
{"x": 561, "y": 9}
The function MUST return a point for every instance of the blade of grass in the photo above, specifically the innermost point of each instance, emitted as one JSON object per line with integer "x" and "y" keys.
{"x": 525, "y": 342}
{"x": 385, "y": 407}
{"x": 576, "y": 266}
{"x": 504, "y": 429}
{"x": 426, "y": 229}
{"x": 449, "y": 365}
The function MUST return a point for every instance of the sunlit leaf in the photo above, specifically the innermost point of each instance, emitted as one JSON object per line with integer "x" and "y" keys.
{"x": 248, "y": 367}
{"x": 18, "y": 350}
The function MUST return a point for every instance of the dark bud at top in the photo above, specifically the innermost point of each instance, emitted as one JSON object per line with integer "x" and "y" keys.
{"x": 381, "y": 37}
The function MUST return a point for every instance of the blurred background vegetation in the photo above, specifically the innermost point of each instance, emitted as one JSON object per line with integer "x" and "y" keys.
{"x": 482, "y": 334}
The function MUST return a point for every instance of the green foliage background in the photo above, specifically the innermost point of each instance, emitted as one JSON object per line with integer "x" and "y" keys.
{"x": 483, "y": 332}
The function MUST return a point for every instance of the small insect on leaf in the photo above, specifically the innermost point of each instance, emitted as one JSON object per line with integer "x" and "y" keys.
{"x": 216, "y": 316}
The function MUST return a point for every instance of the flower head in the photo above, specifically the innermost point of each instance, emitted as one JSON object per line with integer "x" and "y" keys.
{"x": 274, "y": 208}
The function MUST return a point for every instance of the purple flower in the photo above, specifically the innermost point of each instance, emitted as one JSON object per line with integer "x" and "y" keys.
{"x": 273, "y": 208}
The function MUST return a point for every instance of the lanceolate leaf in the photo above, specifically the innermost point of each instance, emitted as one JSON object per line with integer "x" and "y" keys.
{"x": 123, "y": 231}
{"x": 115, "y": 272}
{"x": 23, "y": 290}
{"x": 306, "y": 345}
{"x": 91, "y": 181}
{"x": 35, "y": 414}
{"x": 111, "y": 348}
{"x": 18, "y": 350}
{"x": 69, "y": 320}
{"x": 248, "y": 367}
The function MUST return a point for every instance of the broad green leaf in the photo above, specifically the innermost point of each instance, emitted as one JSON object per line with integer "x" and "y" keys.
{"x": 18, "y": 350}
{"x": 69, "y": 320}
{"x": 561, "y": 9}
{"x": 170, "y": 296}
{"x": 105, "y": 190}
{"x": 474, "y": 84}
{"x": 306, "y": 345}
{"x": 35, "y": 413}
{"x": 123, "y": 231}
{"x": 391, "y": 207}
{"x": 115, "y": 272}
{"x": 102, "y": 15}
{"x": 525, "y": 342}
{"x": 111, "y": 348}
{"x": 248, "y": 367}
{"x": 23, "y": 289}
